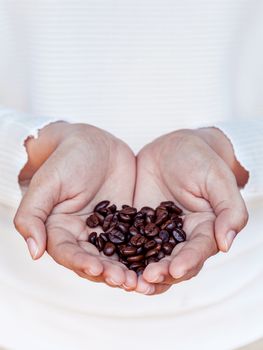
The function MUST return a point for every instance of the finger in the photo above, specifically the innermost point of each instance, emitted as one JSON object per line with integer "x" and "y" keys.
{"x": 192, "y": 255}
{"x": 64, "y": 249}
{"x": 130, "y": 281}
{"x": 228, "y": 205}
{"x": 157, "y": 272}
{"x": 113, "y": 273}
{"x": 33, "y": 211}
{"x": 144, "y": 287}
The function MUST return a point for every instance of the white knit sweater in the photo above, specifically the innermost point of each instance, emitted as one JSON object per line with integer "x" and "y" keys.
{"x": 137, "y": 68}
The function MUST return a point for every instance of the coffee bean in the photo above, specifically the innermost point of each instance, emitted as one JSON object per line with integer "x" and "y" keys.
{"x": 162, "y": 216}
{"x": 135, "y": 258}
{"x": 160, "y": 255}
{"x": 100, "y": 243}
{"x": 164, "y": 235}
{"x": 112, "y": 208}
{"x": 172, "y": 240}
{"x": 151, "y": 230}
{"x": 123, "y": 261}
{"x": 151, "y": 252}
{"x": 124, "y": 217}
{"x": 116, "y": 236}
{"x": 176, "y": 209}
{"x": 129, "y": 251}
{"x": 101, "y": 205}
{"x": 123, "y": 227}
{"x": 139, "y": 215}
{"x": 104, "y": 236}
{"x": 167, "y": 248}
{"x": 158, "y": 239}
{"x": 93, "y": 221}
{"x": 167, "y": 204}
{"x": 107, "y": 222}
{"x": 92, "y": 237}
{"x": 138, "y": 240}
{"x": 149, "y": 214}
{"x": 179, "y": 235}
{"x": 139, "y": 250}
{"x": 129, "y": 211}
{"x": 152, "y": 259}
{"x": 150, "y": 244}
{"x": 133, "y": 231}
{"x": 138, "y": 223}
{"x": 139, "y": 270}
{"x": 136, "y": 265}
{"x": 169, "y": 225}
{"x": 109, "y": 249}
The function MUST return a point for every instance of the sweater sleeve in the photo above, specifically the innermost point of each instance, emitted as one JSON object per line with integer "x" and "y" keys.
{"x": 15, "y": 127}
{"x": 246, "y": 137}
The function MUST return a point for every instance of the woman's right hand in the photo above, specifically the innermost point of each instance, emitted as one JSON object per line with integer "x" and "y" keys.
{"x": 81, "y": 166}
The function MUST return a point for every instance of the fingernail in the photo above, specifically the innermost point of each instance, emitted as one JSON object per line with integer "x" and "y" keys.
{"x": 93, "y": 271}
{"x": 111, "y": 281}
{"x": 149, "y": 290}
{"x": 229, "y": 239}
{"x": 179, "y": 273}
{"x": 32, "y": 247}
{"x": 158, "y": 279}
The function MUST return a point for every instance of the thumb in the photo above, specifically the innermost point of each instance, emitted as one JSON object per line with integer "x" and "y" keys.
{"x": 228, "y": 205}
{"x": 33, "y": 211}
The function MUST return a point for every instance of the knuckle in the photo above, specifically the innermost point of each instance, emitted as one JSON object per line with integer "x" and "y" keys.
{"x": 19, "y": 223}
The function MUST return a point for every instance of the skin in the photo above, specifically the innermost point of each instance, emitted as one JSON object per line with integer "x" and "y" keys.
{"x": 55, "y": 206}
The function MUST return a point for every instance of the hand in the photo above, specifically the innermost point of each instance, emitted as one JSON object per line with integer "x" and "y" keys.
{"x": 183, "y": 167}
{"x": 71, "y": 167}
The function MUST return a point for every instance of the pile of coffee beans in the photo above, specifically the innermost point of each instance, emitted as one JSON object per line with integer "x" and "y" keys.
{"x": 137, "y": 237}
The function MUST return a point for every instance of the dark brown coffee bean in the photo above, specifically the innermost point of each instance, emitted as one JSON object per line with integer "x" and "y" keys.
{"x": 141, "y": 230}
{"x": 139, "y": 250}
{"x": 116, "y": 237}
{"x": 158, "y": 239}
{"x": 129, "y": 251}
{"x": 167, "y": 248}
{"x": 101, "y": 205}
{"x": 151, "y": 230}
{"x": 138, "y": 223}
{"x": 160, "y": 255}
{"x": 162, "y": 216}
{"x": 139, "y": 215}
{"x": 93, "y": 221}
{"x": 179, "y": 235}
{"x": 133, "y": 231}
{"x": 129, "y": 211}
{"x": 100, "y": 217}
{"x": 167, "y": 204}
{"x": 124, "y": 217}
{"x": 176, "y": 210}
{"x": 164, "y": 235}
{"x": 112, "y": 208}
{"x": 152, "y": 259}
{"x": 135, "y": 258}
{"x": 158, "y": 247}
{"x": 136, "y": 265}
{"x": 151, "y": 252}
{"x": 139, "y": 271}
{"x": 138, "y": 240}
{"x": 100, "y": 243}
{"x": 104, "y": 236}
{"x": 150, "y": 244}
{"x": 109, "y": 249}
{"x": 149, "y": 214}
{"x": 179, "y": 225}
{"x": 123, "y": 261}
{"x": 172, "y": 241}
{"x": 169, "y": 225}
{"x": 92, "y": 237}
{"x": 123, "y": 227}
{"x": 107, "y": 222}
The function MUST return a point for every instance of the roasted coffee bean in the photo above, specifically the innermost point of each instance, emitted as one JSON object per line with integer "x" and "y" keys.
{"x": 141, "y": 230}
{"x": 139, "y": 270}
{"x": 158, "y": 246}
{"x": 135, "y": 258}
{"x": 152, "y": 259}
{"x": 169, "y": 225}
{"x": 116, "y": 236}
{"x": 128, "y": 211}
{"x": 138, "y": 223}
{"x": 104, "y": 236}
{"x": 136, "y": 265}
{"x": 133, "y": 231}
{"x": 92, "y": 237}
{"x": 140, "y": 215}
{"x": 164, "y": 235}
{"x": 124, "y": 217}
{"x": 167, "y": 248}
{"x": 123, "y": 261}
{"x": 149, "y": 214}
{"x": 104, "y": 212}
{"x": 109, "y": 249}
{"x": 123, "y": 227}
{"x": 101, "y": 205}
{"x": 151, "y": 252}
{"x": 179, "y": 235}
{"x": 162, "y": 216}
{"x": 151, "y": 230}
{"x": 112, "y": 208}
{"x": 107, "y": 222}
{"x": 129, "y": 251}
{"x": 179, "y": 225}
{"x": 100, "y": 217}
{"x": 139, "y": 250}
{"x": 176, "y": 210}
{"x": 138, "y": 240}
{"x": 100, "y": 243}
{"x": 158, "y": 239}
{"x": 160, "y": 255}
{"x": 172, "y": 240}
{"x": 150, "y": 244}
{"x": 167, "y": 204}
{"x": 93, "y": 221}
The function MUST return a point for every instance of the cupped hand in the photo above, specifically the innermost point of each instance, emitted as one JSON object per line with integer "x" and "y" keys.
{"x": 183, "y": 167}
{"x": 86, "y": 166}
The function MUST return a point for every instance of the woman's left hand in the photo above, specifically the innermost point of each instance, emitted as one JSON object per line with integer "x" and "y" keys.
{"x": 182, "y": 166}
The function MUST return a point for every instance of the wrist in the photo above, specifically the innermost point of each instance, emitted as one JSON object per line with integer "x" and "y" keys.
{"x": 220, "y": 143}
